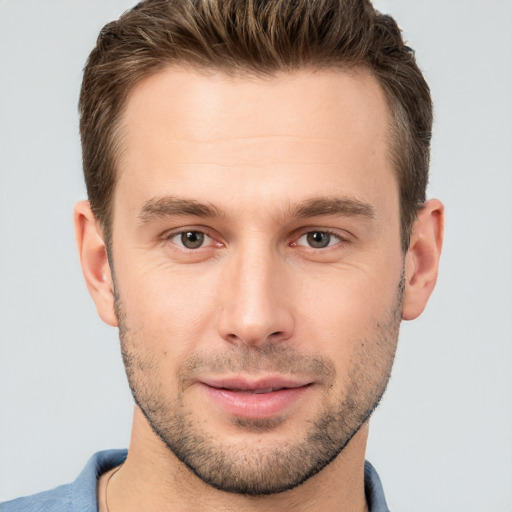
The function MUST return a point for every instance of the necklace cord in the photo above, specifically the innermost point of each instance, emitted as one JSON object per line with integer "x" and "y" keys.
{"x": 106, "y": 488}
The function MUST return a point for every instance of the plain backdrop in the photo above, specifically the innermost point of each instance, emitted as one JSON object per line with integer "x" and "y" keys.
{"x": 441, "y": 439}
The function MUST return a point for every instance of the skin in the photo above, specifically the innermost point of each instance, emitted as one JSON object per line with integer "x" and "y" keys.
{"x": 265, "y": 156}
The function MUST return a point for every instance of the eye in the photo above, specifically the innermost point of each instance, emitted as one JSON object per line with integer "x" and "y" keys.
{"x": 190, "y": 239}
{"x": 318, "y": 239}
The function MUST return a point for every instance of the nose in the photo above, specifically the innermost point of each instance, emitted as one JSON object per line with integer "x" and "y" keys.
{"x": 255, "y": 303}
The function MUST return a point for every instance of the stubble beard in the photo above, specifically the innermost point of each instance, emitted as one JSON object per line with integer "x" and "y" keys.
{"x": 264, "y": 468}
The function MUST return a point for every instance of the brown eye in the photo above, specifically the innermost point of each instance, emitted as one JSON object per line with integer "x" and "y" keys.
{"x": 318, "y": 239}
{"x": 192, "y": 239}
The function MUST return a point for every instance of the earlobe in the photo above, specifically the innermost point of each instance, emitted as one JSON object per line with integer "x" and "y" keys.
{"x": 422, "y": 259}
{"x": 93, "y": 258}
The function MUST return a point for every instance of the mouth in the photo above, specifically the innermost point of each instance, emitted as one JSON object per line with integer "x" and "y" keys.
{"x": 261, "y": 391}
{"x": 255, "y": 399}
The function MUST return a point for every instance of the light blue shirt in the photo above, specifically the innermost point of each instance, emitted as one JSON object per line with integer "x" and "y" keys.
{"x": 80, "y": 496}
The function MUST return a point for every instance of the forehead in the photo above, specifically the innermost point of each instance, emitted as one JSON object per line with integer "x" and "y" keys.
{"x": 291, "y": 131}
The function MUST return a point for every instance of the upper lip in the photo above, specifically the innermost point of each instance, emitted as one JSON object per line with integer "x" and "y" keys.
{"x": 262, "y": 384}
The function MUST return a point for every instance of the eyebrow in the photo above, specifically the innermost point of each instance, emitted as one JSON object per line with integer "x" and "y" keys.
{"x": 172, "y": 206}
{"x": 343, "y": 206}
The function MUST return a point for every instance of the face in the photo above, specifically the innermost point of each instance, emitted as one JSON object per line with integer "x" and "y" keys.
{"x": 258, "y": 270}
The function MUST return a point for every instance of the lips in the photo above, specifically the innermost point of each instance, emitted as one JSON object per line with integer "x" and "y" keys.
{"x": 257, "y": 399}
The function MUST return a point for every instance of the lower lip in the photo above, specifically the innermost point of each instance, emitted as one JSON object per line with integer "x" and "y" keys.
{"x": 255, "y": 405}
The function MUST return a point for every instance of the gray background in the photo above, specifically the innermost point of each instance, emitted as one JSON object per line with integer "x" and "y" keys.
{"x": 442, "y": 437}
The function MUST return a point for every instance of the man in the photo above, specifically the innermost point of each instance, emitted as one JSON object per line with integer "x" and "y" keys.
{"x": 257, "y": 228}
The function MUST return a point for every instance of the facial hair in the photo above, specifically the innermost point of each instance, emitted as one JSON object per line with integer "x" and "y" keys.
{"x": 263, "y": 468}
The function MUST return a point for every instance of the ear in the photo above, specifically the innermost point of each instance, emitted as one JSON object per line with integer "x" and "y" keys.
{"x": 93, "y": 258}
{"x": 422, "y": 258}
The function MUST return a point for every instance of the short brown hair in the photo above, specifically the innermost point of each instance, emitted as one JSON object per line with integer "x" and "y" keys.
{"x": 261, "y": 37}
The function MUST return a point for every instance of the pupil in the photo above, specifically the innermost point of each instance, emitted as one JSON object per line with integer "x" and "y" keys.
{"x": 318, "y": 239}
{"x": 192, "y": 239}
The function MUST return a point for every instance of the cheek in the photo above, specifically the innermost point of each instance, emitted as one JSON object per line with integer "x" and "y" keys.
{"x": 347, "y": 308}
{"x": 167, "y": 311}
{"x": 344, "y": 299}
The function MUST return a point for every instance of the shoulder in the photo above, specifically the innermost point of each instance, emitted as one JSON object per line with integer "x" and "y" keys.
{"x": 55, "y": 500}
{"x": 77, "y": 496}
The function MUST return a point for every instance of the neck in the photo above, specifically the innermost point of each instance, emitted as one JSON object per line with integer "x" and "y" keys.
{"x": 152, "y": 478}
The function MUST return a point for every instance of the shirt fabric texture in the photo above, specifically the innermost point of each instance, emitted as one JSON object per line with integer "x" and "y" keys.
{"x": 80, "y": 496}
